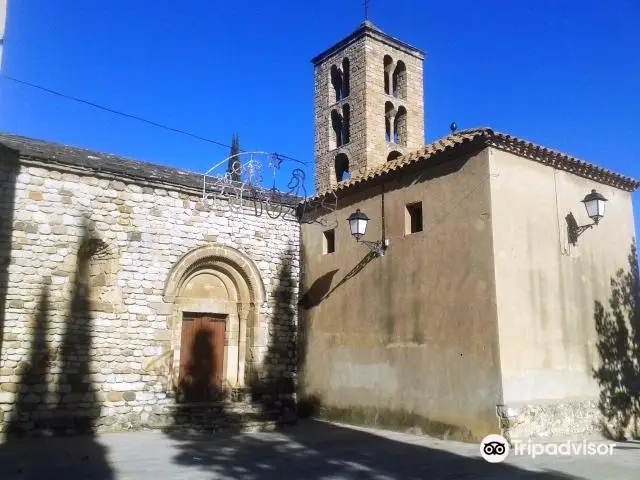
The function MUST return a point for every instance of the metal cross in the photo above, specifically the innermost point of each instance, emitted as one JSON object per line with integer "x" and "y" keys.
{"x": 366, "y": 9}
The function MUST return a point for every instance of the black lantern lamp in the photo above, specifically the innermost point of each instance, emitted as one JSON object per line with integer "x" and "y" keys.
{"x": 358, "y": 225}
{"x": 594, "y": 203}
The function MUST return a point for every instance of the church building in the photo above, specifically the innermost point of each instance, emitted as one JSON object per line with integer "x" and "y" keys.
{"x": 477, "y": 300}
{"x": 458, "y": 288}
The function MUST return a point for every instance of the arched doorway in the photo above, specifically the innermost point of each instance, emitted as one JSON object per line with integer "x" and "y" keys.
{"x": 217, "y": 293}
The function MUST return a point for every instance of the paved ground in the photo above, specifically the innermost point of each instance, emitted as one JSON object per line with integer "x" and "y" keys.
{"x": 310, "y": 450}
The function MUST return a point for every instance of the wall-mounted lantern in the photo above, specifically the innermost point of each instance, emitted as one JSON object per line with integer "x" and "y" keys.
{"x": 358, "y": 225}
{"x": 594, "y": 203}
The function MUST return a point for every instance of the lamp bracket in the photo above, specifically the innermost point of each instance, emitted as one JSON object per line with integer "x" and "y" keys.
{"x": 378, "y": 248}
{"x": 583, "y": 228}
{"x": 576, "y": 230}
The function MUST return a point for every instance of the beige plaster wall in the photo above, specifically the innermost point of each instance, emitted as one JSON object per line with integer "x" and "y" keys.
{"x": 408, "y": 339}
{"x": 545, "y": 287}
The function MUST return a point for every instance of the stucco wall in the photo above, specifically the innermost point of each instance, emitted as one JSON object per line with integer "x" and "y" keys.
{"x": 408, "y": 339}
{"x": 111, "y": 318}
{"x": 546, "y": 288}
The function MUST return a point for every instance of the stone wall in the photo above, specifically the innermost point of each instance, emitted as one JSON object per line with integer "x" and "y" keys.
{"x": 90, "y": 339}
{"x": 367, "y": 147}
{"x": 551, "y": 420}
{"x": 378, "y": 148}
{"x": 325, "y": 102}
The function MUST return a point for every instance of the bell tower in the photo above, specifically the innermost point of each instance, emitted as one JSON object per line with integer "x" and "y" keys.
{"x": 369, "y": 105}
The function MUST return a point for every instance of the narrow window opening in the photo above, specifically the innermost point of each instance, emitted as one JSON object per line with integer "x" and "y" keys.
{"x": 388, "y": 122}
{"x": 346, "y": 77}
{"x": 346, "y": 118}
{"x": 413, "y": 218}
{"x": 337, "y": 82}
{"x": 329, "y": 242}
{"x": 387, "y": 66}
{"x": 400, "y": 80}
{"x": 337, "y": 124}
{"x": 400, "y": 127}
{"x": 342, "y": 167}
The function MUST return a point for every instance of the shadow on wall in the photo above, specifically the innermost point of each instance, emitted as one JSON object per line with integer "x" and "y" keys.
{"x": 197, "y": 383}
{"x": 321, "y": 288}
{"x": 9, "y": 167}
{"x": 618, "y": 375}
{"x": 71, "y": 406}
{"x": 273, "y": 388}
{"x": 200, "y": 403}
{"x": 310, "y": 405}
{"x": 318, "y": 291}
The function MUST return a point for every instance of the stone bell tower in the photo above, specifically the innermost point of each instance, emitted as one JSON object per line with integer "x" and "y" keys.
{"x": 369, "y": 105}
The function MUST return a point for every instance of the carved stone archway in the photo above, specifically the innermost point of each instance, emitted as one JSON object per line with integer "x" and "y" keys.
{"x": 224, "y": 281}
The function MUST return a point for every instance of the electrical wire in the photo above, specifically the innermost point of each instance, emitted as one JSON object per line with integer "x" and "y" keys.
{"x": 134, "y": 117}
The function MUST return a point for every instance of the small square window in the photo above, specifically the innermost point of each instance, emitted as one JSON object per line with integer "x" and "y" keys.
{"x": 413, "y": 218}
{"x": 329, "y": 242}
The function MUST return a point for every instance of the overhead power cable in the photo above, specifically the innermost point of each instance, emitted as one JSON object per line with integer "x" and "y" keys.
{"x": 134, "y": 117}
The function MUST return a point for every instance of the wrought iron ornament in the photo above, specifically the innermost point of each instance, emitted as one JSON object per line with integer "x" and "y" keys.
{"x": 242, "y": 190}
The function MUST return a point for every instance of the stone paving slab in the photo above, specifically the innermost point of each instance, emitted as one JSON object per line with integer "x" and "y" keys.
{"x": 309, "y": 450}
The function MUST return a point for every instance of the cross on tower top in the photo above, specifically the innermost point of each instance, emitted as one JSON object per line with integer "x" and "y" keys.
{"x": 366, "y": 9}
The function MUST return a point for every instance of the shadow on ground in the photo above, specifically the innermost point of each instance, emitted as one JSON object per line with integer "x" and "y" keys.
{"x": 317, "y": 450}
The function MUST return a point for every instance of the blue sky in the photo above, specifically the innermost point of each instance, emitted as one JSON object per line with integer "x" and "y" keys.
{"x": 565, "y": 74}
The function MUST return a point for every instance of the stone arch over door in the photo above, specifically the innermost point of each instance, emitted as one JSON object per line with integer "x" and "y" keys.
{"x": 219, "y": 280}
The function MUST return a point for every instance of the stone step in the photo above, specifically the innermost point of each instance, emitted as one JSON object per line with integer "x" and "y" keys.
{"x": 220, "y": 415}
{"x": 247, "y": 427}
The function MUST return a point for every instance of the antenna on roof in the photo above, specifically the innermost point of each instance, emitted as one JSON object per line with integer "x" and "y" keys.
{"x": 453, "y": 127}
{"x": 366, "y": 9}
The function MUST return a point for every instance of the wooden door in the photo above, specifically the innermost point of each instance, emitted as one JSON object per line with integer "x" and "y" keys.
{"x": 201, "y": 356}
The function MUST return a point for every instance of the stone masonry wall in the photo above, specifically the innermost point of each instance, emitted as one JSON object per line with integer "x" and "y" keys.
{"x": 566, "y": 419}
{"x": 325, "y": 102}
{"x": 87, "y": 341}
{"x": 367, "y": 148}
{"x": 377, "y": 147}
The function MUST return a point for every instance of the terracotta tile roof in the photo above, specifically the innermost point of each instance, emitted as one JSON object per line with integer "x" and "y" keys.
{"x": 487, "y": 137}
